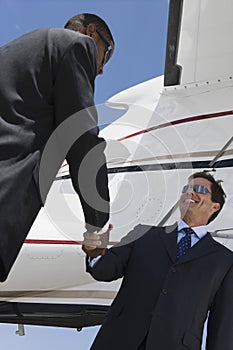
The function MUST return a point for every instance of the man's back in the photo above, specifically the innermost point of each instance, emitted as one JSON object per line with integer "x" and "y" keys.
{"x": 46, "y": 76}
{"x": 32, "y": 101}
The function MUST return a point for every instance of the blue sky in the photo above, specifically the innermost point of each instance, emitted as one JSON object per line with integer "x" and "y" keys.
{"x": 139, "y": 29}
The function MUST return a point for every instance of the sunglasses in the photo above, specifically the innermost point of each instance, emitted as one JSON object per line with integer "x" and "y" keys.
{"x": 196, "y": 188}
{"x": 109, "y": 52}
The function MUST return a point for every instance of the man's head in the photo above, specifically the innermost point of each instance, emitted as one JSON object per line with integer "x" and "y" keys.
{"x": 93, "y": 26}
{"x": 202, "y": 199}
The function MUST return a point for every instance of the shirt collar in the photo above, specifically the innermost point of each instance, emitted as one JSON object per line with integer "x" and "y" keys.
{"x": 200, "y": 231}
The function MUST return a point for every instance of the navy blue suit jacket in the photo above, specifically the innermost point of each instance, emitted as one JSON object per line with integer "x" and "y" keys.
{"x": 166, "y": 300}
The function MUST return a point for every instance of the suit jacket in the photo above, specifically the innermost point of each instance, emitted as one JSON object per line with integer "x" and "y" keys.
{"x": 164, "y": 299}
{"x": 46, "y": 77}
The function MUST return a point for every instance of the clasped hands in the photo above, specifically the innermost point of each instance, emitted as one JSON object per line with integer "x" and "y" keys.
{"x": 95, "y": 244}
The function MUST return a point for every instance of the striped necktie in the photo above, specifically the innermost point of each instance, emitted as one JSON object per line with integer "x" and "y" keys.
{"x": 185, "y": 242}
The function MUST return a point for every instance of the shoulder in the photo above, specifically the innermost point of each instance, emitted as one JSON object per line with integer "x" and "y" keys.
{"x": 68, "y": 44}
{"x": 228, "y": 252}
{"x": 67, "y": 37}
{"x": 224, "y": 255}
{"x": 59, "y": 38}
{"x": 58, "y": 41}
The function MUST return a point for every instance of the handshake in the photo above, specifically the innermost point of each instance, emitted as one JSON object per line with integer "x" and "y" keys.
{"x": 95, "y": 244}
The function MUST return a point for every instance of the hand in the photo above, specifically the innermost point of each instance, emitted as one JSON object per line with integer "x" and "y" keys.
{"x": 96, "y": 244}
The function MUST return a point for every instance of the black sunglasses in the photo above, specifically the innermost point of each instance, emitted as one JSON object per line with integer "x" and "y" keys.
{"x": 109, "y": 52}
{"x": 196, "y": 188}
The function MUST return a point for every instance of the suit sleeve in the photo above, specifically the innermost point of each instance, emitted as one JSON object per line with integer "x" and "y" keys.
{"x": 76, "y": 115}
{"x": 113, "y": 264}
{"x": 220, "y": 323}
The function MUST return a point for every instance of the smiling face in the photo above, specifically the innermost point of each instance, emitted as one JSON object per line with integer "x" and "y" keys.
{"x": 197, "y": 208}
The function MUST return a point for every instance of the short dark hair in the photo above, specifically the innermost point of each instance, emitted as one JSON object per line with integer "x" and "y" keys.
{"x": 217, "y": 193}
{"x": 82, "y": 20}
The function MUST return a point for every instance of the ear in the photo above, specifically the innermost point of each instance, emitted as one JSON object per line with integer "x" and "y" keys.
{"x": 91, "y": 29}
{"x": 216, "y": 207}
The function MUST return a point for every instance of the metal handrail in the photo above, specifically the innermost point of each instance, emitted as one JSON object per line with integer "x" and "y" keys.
{"x": 223, "y": 233}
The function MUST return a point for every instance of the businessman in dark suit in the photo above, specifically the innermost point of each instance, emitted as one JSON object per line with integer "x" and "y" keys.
{"x": 46, "y": 79}
{"x": 173, "y": 277}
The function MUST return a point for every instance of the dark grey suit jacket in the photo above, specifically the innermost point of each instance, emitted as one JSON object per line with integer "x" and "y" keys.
{"x": 165, "y": 300}
{"x": 46, "y": 76}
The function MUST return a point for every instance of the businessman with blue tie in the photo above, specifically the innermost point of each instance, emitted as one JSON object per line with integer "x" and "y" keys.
{"x": 173, "y": 279}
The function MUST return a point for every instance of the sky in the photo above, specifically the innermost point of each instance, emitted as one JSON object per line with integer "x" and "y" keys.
{"x": 139, "y": 30}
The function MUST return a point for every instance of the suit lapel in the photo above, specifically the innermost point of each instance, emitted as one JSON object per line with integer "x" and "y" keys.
{"x": 205, "y": 246}
{"x": 169, "y": 238}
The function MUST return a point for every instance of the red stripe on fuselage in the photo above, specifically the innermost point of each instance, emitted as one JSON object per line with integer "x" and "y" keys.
{"x": 56, "y": 241}
{"x": 174, "y": 122}
{"x": 50, "y": 241}
{"x": 178, "y": 121}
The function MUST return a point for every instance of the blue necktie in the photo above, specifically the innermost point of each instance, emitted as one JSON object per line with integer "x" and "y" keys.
{"x": 185, "y": 242}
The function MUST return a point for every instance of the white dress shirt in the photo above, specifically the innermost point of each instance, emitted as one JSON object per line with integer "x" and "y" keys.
{"x": 200, "y": 232}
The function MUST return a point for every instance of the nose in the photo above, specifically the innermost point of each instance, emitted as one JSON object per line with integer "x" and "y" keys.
{"x": 190, "y": 190}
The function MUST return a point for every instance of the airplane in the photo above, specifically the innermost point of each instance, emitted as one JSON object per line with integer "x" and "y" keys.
{"x": 170, "y": 126}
